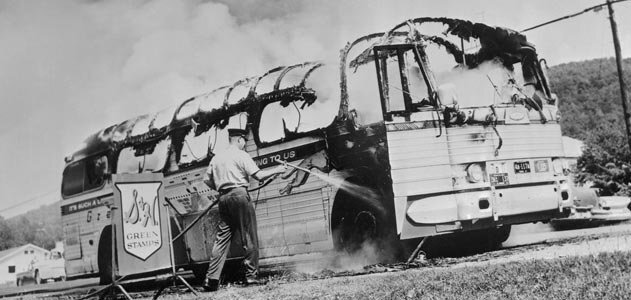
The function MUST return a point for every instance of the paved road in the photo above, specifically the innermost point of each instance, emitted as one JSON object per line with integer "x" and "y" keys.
{"x": 527, "y": 234}
{"x": 79, "y": 284}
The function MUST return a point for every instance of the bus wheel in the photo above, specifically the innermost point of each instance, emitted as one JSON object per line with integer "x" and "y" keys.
{"x": 357, "y": 229}
{"x": 38, "y": 279}
{"x": 18, "y": 282}
{"x": 502, "y": 233}
{"x": 359, "y": 222}
{"x": 491, "y": 239}
{"x": 105, "y": 256}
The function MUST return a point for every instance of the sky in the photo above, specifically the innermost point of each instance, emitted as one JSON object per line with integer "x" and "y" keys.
{"x": 71, "y": 68}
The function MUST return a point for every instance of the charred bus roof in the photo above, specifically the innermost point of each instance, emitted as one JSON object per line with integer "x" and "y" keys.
{"x": 495, "y": 42}
{"x": 246, "y": 95}
{"x": 285, "y": 84}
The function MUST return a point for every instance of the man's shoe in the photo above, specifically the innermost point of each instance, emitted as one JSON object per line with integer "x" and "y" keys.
{"x": 254, "y": 281}
{"x": 210, "y": 285}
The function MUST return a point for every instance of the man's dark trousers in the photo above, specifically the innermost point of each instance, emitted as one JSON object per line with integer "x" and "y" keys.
{"x": 236, "y": 214}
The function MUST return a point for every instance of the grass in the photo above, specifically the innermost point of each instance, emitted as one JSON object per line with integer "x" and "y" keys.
{"x": 605, "y": 276}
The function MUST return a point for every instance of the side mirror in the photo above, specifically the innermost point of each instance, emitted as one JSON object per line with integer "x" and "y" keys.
{"x": 554, "y": 100}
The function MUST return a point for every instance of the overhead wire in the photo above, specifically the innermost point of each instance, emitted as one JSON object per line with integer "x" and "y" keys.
{"x": 38, "y": 197}
{"x": 573, "y": 15}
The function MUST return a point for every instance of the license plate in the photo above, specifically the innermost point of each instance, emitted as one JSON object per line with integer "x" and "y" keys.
{"x": 499, "y": 179}
{"x": 522, "y": 167}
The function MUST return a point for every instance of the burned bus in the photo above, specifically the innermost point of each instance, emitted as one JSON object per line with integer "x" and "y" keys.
{"x": 414, "y": 134}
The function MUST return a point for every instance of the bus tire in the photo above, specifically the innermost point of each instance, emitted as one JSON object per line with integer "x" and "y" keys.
{"x": 105, "y": 256}
{"x": 356, "y": 229}
{"x": 359, "y": 225}
{"x": 38, "y": 279}
{"x": 502, "y": 233}
{"x": 18, "y": 282}
{"x": 490, "y": 239}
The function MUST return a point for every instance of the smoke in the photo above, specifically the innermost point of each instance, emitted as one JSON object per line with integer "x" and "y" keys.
{"x": 356, "y": 258}
{"x": 341, "y": 261}
{"x": 482, "y": 86}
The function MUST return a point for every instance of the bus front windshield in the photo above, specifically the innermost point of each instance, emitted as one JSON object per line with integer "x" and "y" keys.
{"x": 493, "y": 82}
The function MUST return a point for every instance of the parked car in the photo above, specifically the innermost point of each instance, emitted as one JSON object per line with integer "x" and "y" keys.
{"x": 591, "y": 209}
{"x": 52, "y": 268}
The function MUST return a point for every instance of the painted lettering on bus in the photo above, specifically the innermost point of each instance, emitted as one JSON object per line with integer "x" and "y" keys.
{"x": 264, "y": 161}
{"x": 292, "y": 154}
{"x": 81, "y": 206}
{"x": 141, "y": 211}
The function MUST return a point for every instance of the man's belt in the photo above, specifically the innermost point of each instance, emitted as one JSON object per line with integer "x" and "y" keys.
{"x": 224, "y": 191}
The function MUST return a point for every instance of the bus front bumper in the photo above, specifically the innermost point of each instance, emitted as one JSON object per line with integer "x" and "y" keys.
{"x": 483, "y": 207}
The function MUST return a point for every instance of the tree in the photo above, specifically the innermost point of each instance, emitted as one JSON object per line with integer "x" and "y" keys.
{"x": 605, "y": 161}
{"x": 6, "y": 235}
{"x": 591, "y": 111}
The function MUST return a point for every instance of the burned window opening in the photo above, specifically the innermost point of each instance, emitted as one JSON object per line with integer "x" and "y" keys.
{"x": 282, "y": 98}
{"x": 497, "y": 44}
{"x": 147, "y": 157}
{"x": 85, "y": 175}
{"x": 403, "y": 82}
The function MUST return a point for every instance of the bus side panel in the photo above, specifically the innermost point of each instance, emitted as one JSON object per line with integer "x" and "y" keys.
{"x": 534, "y": 140}
{"x": 296, "y": 221}
{"x": 478, "y": 143}
{"x": 419, "y": 162}
{"x": 72, "y": 246}
{"x": 420, "y": 165}
{"x": 293, "y": 223}
{"x": 83, "y": 221}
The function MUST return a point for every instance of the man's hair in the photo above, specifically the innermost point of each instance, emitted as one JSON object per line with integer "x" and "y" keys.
{"x": 234, "y": 139}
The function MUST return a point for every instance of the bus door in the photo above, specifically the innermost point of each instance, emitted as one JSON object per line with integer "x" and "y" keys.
{"x": 72, "y": 246}
{"x": 417, "y": 142}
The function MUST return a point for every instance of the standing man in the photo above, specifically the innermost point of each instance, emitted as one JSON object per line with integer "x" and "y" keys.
{"x": 228, "y": 173}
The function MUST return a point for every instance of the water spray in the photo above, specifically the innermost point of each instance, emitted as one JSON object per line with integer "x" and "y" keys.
{"x": 285, "y": 163}
{"x": 335, "y": 182}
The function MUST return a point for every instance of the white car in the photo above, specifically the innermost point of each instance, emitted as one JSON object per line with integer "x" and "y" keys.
{"x": 612, "y": 208}
{"x": 590, "y": 209}
{"x": 52, "y": 268}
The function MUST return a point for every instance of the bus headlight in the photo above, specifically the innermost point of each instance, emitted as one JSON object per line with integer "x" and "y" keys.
{"x": 557, "y": 166}
{"x": 475, "y": 173}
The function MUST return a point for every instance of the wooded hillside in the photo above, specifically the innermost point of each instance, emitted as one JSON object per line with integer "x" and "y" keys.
{"x": 591, "y": 108}
{"x": 589, "y": 95}
{"x": 41, "y": 227}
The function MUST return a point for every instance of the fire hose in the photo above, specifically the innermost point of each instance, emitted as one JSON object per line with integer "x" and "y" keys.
{"x": 207, "y": 210}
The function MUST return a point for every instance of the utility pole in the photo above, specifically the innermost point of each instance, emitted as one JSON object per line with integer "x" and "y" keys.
{"x": 623, "y": 86}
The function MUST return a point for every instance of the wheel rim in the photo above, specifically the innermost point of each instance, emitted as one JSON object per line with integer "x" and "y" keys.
{"x": 366, "y": 224}
{"x": 357, "y": 230}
